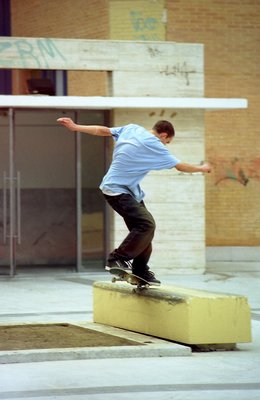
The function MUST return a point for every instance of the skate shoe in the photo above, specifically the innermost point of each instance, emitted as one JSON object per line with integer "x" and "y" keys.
{"x": 149, "y": 277}
{"x": 123, "y": 265}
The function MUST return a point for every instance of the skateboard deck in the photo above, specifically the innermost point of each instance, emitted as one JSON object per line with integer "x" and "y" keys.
{"x": 125, "y": 276}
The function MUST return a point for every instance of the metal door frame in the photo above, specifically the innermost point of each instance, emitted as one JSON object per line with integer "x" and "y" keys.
{"x": 78, "y": 196}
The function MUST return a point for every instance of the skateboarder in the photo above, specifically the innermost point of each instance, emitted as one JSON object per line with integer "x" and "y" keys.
{"x": 137, "y": 151}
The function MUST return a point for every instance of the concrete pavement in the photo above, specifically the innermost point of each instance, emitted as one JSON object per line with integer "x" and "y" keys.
{"x": 63, "y": 296}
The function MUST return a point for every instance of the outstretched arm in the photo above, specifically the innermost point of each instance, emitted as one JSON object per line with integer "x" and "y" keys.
{"x": 193, "y": 168}
{"x": 98, "y": 130}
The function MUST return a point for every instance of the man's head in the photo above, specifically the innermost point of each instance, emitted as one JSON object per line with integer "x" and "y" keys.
{"x": 164, "y": 131}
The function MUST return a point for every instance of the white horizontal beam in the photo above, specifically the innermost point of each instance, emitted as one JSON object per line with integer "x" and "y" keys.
{"x": 101, "y": 55}
{"x": 110, "y": 103}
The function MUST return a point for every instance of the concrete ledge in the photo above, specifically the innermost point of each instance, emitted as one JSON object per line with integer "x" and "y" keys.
{"x": 226, "y": 267}
{"x": 79, "y": 353}
{"x": 175, "y": 313}
{"x": 233, "y": 254}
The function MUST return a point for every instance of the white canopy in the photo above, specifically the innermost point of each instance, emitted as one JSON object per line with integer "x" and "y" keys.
{"x": 108, "y": 103}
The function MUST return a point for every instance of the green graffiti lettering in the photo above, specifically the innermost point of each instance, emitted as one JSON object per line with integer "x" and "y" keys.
{"x": 26, "y": 53}
{"x": 4, "y": 46}
{"x": 48, "y": 49}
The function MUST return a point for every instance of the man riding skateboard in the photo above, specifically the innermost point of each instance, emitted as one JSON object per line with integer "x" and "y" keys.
{"x": 137, "y": 151}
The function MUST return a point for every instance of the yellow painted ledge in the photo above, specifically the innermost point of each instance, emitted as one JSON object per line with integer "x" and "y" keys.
{"x": 174, "y": 313}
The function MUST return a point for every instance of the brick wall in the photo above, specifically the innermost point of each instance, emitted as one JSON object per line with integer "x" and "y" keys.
{"x": 63, "y": 19}
{"x": 60, "y": 18}
{"x": 230, "y": 31}
{"x": 87, "y": 83}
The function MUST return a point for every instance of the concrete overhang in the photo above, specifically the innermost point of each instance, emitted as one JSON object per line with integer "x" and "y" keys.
{"x": 110, "y": 103}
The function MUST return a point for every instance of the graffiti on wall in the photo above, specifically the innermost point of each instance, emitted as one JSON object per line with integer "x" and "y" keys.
{"x": 37, "y": 54}
{"x": 235, "y": 170}
{"x": 138, "y": 20}
{"x": 179, "y": 69}
{"x": 144, "y": 28}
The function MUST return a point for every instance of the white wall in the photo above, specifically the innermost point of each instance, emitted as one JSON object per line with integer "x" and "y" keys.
{"x": 176, "y": 200}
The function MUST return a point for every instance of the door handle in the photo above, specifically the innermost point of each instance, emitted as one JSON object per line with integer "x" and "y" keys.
{"x": 18, "y": 206}
{"x": 4, "y": 207}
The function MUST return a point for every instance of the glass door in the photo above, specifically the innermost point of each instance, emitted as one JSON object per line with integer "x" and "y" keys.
{"x": 52, "y": 212}
{"x": 45, "y": 164}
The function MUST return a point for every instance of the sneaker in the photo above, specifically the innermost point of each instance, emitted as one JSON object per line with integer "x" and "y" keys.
{"x": 115, "y": 264}
{"x": 149, "y": 277}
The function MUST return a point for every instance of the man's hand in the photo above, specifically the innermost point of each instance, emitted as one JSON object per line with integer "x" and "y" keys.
{"x": 183, "y": 167}
{"x": 68, "y": 123}
{"x": 206, "y": 167}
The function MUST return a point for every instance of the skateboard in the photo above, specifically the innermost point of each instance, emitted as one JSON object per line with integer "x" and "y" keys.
{"x": 125, "y": 276}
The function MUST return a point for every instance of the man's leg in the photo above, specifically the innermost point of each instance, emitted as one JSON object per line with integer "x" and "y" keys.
{"x": 137, "y": 245}
{"x": 140, "y": 262}
{"x": 141, "y": 227}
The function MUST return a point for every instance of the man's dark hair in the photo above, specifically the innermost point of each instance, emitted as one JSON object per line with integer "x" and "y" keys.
{"x": 164, "y": 126}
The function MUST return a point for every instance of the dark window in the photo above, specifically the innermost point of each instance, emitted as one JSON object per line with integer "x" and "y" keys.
{"x": 5, "y": 30}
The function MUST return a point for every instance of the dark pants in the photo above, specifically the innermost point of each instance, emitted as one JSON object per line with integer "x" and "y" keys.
{"x": 137, "y": 245}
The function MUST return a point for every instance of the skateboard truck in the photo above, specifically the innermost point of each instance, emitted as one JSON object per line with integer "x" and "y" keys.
{"x": 122, "y": 275}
